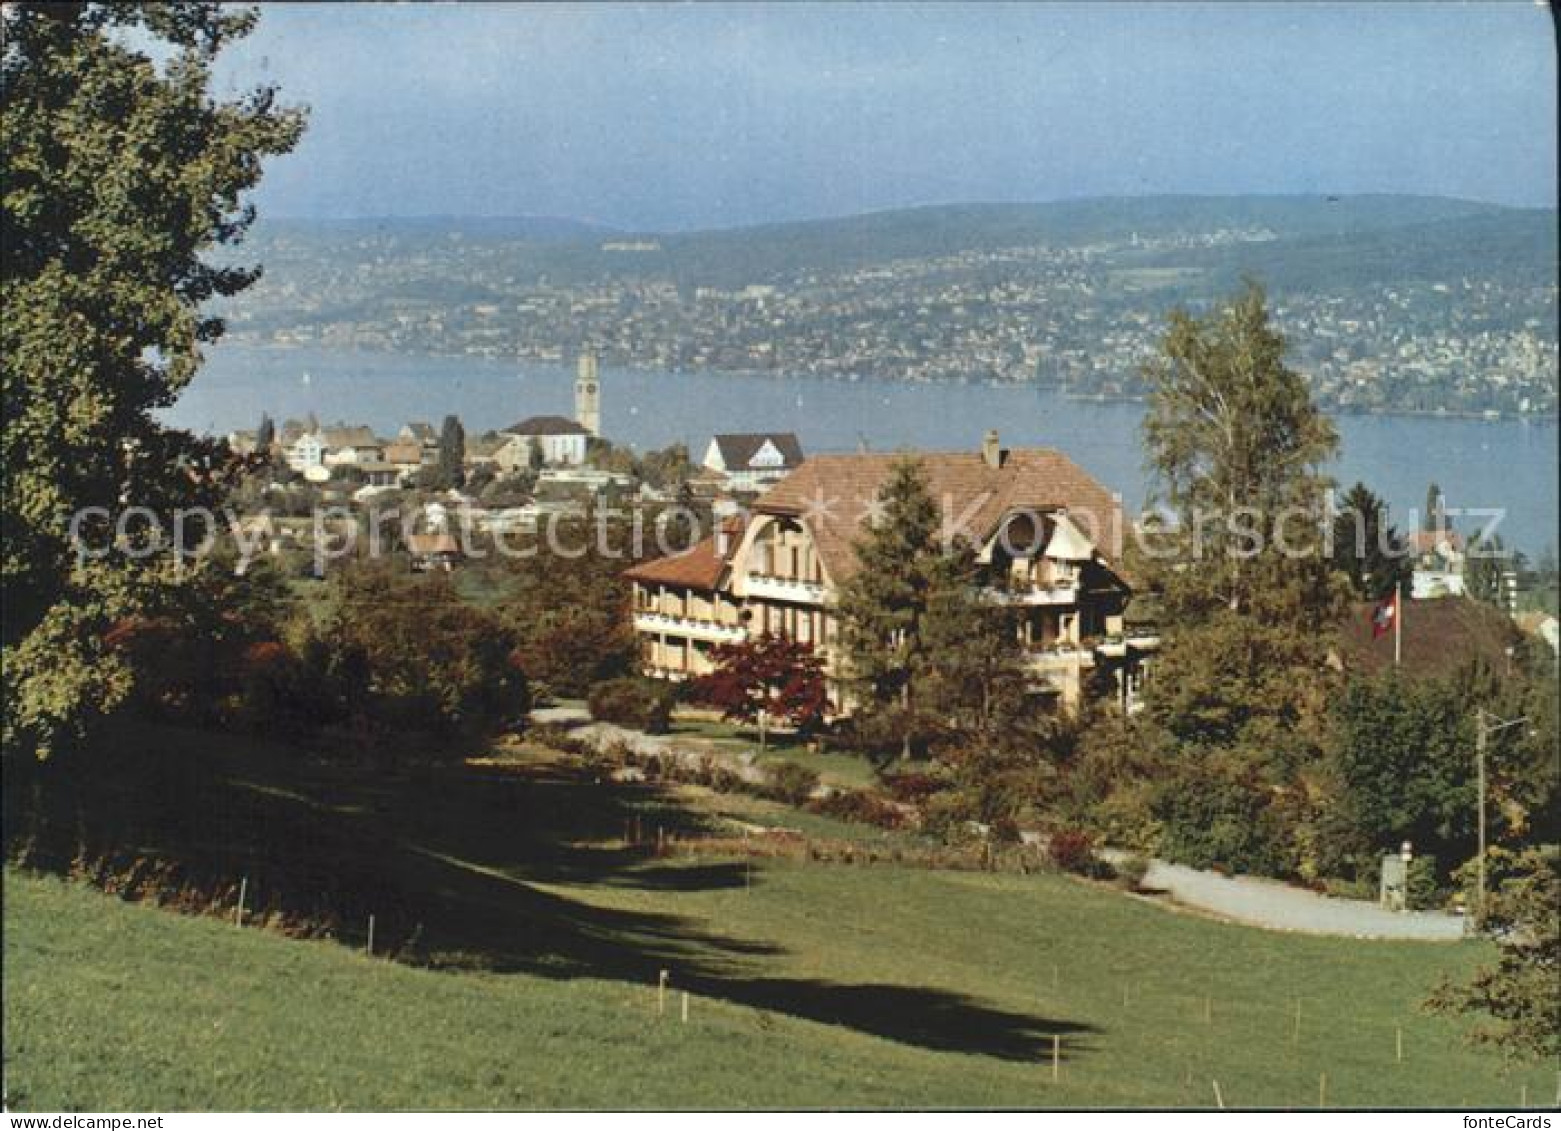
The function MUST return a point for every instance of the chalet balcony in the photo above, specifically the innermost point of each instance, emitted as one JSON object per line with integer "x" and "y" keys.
{"x": 1087, "y": 652}
{"x": 767, "y": 586}
{"x": 653, "y": 622}
{"x": 673, "y": 675}
{"x": 1117, "y": 647}
{"x": 1061, "y": 657}
{"x": 1061, "y": 592}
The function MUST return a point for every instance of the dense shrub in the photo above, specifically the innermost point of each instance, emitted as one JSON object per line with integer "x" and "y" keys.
{"x": 636, "y": 703}
{"x": 1423, "y": 889}
{"x": 399, "y": 666}
{"x": 1363, "y": 889}
{"x": 572, "y": 625}
{"x": 1130, "y": 872}
{"x": 1072, "y": 850}
{"x": 282, "y": 694}
{"x": 1218, "y": 815}
{"x": 414, "y": 658}
{"x": 792, "y": 782}
{"x": 861, "y": 806}
{"x": 950, "y": 816}
{"x": 913, "y": 788}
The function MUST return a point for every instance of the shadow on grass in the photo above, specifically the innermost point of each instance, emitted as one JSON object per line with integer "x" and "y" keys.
{"x": 455, "y": 864}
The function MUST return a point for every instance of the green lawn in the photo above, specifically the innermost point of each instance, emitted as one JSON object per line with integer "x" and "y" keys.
{"x": 811, "y": 985}
{"x": 836, "y": 768}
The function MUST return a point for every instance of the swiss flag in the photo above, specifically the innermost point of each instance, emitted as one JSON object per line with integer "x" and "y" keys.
{"x": 1383, "y": 616}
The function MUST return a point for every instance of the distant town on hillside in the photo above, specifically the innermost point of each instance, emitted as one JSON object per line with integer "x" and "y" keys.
{"x": 1392, "y": 303}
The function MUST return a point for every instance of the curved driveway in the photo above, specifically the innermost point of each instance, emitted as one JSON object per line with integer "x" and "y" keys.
{"x": 1268, "y": 903}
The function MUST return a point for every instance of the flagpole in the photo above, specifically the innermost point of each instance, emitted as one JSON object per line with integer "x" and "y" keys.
{"x": 1398, "y": 622}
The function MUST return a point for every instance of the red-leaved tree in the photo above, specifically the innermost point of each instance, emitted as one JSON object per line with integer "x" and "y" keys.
{"x": 770, "y": 677}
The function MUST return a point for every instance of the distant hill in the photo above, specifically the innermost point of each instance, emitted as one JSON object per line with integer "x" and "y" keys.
{"x": 524, "y": 229}
{"x": 947, "y": 229}
{"x": 572, "y": 251}
{"x": 1519, "y": 245}
{"x": 1396, "y": 303}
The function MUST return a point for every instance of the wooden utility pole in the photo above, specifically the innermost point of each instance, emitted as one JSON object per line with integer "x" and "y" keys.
{"x": 1479, "y": 761}
{"x": 1484, "y": 727}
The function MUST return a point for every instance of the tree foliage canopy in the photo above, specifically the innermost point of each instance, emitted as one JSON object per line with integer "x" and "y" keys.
{"x": 1519, "y": 998}
{"x": 1234, "y": 441}
{"x": 932, "y": 662}
{"x": 121, "y": 173}
{"x": 1367, "y": 549}
{"x": 771, "y": 677}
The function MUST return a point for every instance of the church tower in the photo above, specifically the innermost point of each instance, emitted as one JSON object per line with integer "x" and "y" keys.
{"x": 588, "y": 395}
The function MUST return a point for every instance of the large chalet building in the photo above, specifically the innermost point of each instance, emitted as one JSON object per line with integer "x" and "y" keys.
{"x": 1048, "y": 534}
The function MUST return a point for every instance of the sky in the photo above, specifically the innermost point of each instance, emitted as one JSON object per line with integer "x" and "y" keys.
{"x": 680, "y": 116}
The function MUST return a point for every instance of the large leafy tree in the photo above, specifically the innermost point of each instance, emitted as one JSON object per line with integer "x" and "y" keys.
{"x": 411, "y": 657}
{"x": 1242, "y": 685}
{"x": 571, "y": 615}
{"x": 122, "y": 172}
{"x": 1402, "y": 753}
{"x": 771, "y": 677}
{"x": 1235, "y": 445}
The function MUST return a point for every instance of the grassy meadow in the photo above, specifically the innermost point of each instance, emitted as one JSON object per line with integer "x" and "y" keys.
{"x": 810, "y": 984}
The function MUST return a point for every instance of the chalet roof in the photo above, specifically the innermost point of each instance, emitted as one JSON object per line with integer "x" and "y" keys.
{"x": 833, "y": 494}
{"x": 547, "y": 426}
{"x": 404, "y": 452}
{"x": 294, "y": 430}
{"x": 1532, "y": 621}
{"x": 700, "y": 567}
{"x": 1429, "y": 541}
{"x": 421, "y": 431}
{"x": 1440, "y": 635}
{"x": 436, "y": 543}
{"x": 738, "y": 448}
{"x": 486, "y": 446}
{"x": 354, "y": 436}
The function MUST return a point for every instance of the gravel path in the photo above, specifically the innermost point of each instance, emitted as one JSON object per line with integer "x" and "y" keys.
{"x": 1268, "y": 903}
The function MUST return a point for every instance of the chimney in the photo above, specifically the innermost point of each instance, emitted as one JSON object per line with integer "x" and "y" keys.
{"x": 723, "y": 539}
{"x": 991, "y": 452}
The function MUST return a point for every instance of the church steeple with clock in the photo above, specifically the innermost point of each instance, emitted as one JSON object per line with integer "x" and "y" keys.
{"x": 588, "y": 395}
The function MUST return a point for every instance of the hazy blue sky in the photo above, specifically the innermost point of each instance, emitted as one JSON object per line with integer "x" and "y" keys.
{"x": 682, "y": 116}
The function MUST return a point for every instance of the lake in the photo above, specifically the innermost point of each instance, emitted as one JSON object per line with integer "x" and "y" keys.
{"x": 1510, "y": 464}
